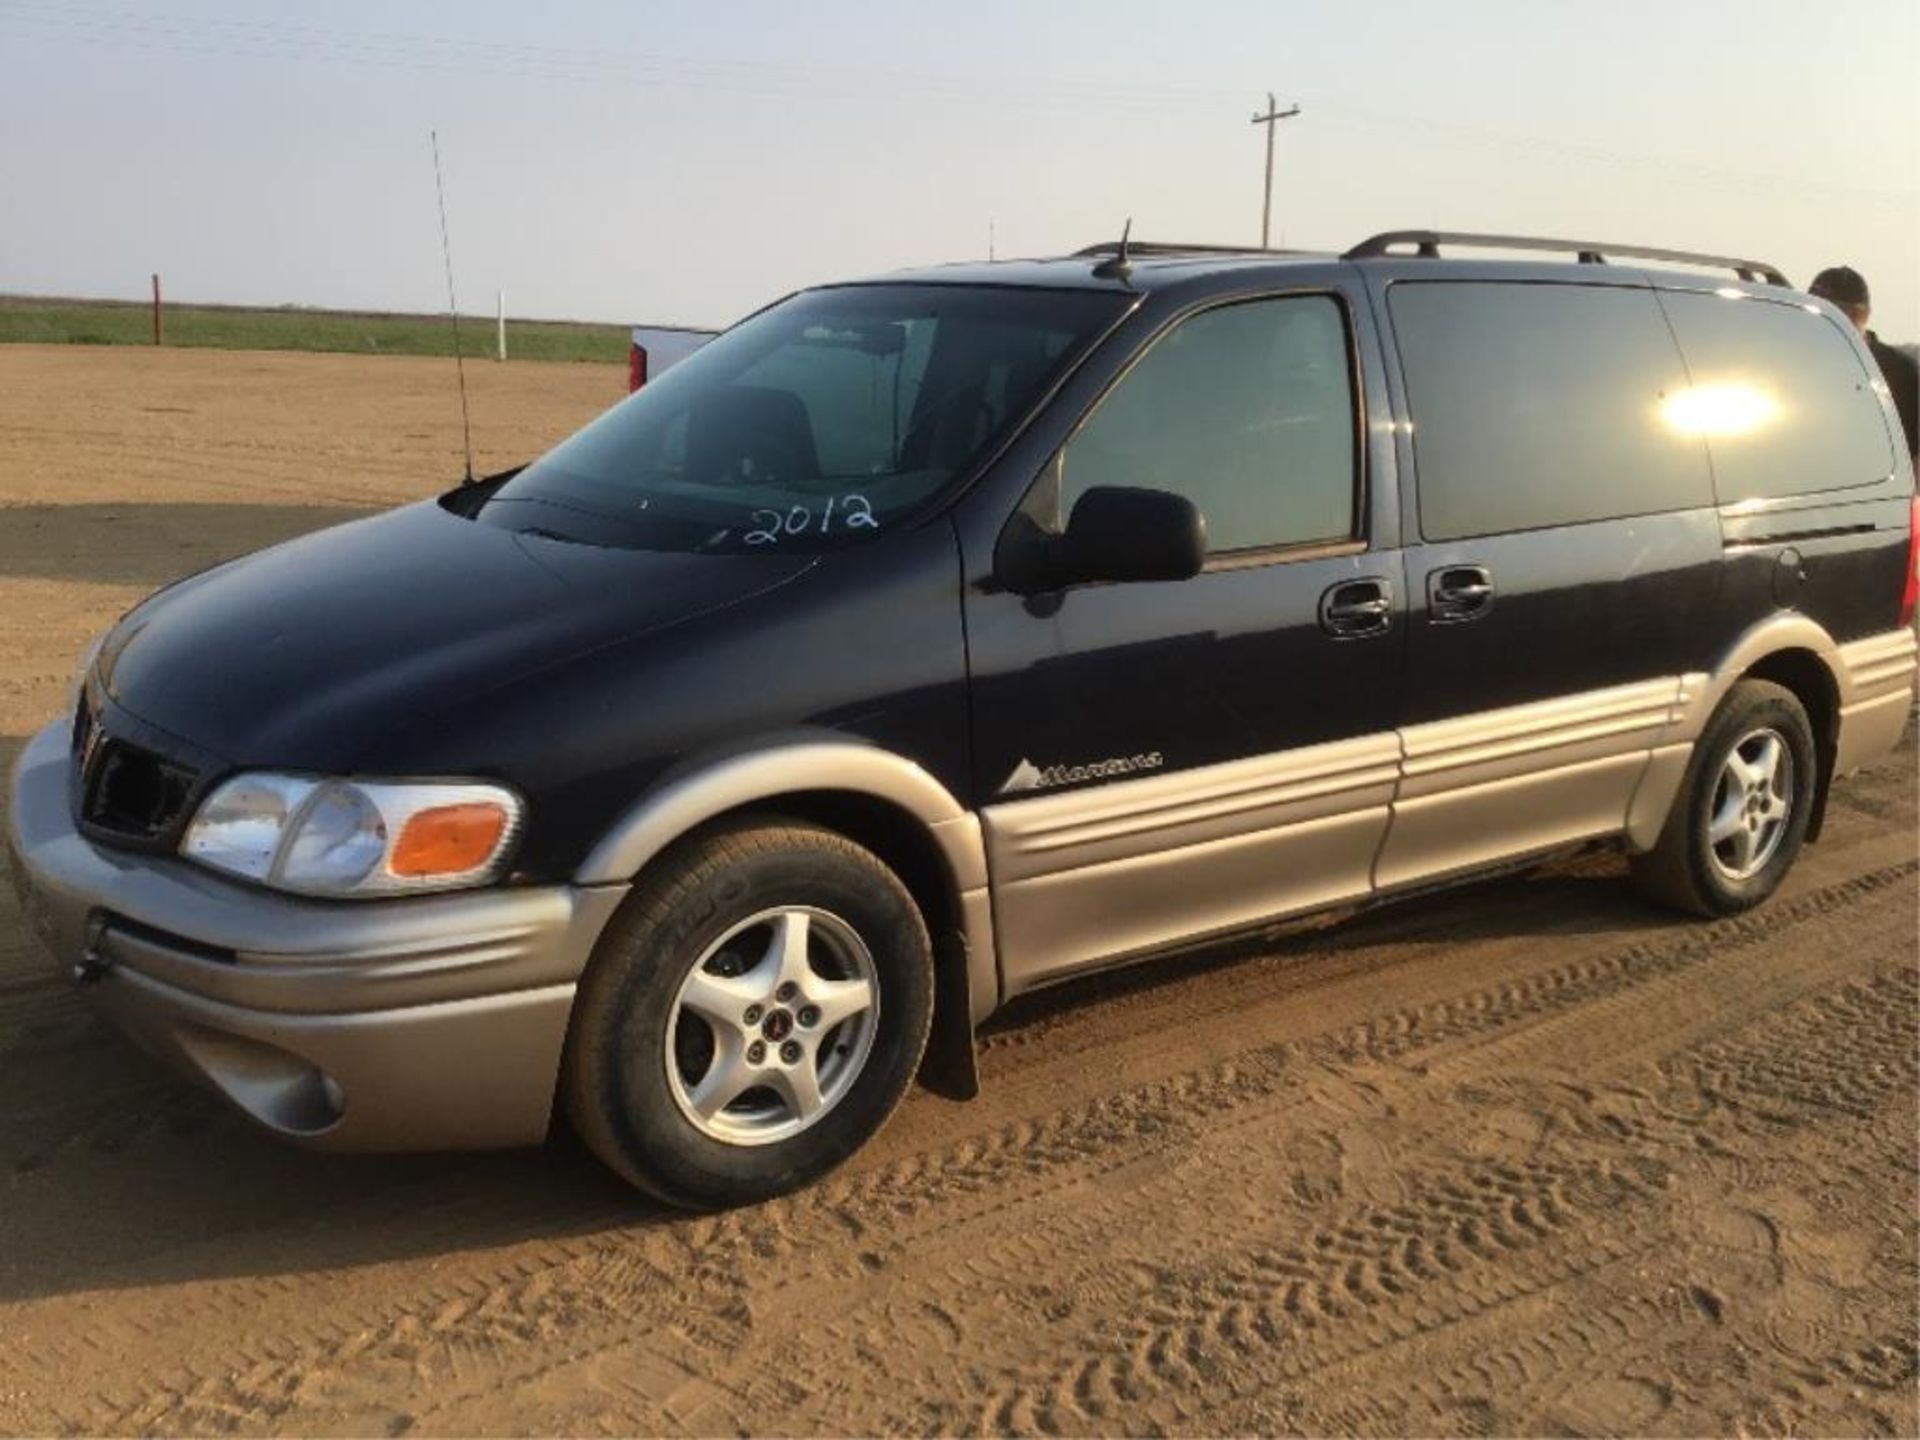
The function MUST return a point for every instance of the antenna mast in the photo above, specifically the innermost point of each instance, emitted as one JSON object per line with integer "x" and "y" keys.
{"x": 453, "y": 306}
{"x": 1120, "y": 265}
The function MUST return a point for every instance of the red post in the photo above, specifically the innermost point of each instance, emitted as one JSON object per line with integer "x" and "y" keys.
{"x": 156, "y": 309}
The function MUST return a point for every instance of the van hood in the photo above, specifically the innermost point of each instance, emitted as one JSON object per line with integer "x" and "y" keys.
{"x": 304, "y": 655}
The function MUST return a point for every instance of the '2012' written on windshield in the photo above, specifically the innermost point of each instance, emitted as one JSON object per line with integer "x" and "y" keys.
{"x": 849, "y": 512}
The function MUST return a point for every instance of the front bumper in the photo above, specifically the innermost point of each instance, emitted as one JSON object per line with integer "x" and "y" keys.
{"x": 423, "y": 1023}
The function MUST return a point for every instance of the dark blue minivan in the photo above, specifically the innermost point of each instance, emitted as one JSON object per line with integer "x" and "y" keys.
{"x": 922, "y": 641}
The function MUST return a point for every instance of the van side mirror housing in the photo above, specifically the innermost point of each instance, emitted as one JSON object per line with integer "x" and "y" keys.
{"x": 1119, "y": 534}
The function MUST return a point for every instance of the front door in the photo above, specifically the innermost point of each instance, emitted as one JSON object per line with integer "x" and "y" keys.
{"x": 1162, "y": 761}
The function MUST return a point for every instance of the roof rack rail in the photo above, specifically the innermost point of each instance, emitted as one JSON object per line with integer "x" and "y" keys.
{"x": 1427, "y": 245}
{"x": 1166, "y": 247}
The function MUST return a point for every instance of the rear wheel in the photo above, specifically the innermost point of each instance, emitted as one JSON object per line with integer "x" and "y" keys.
{"x": 752, "y": 1017}
{"x": 1742, "y": 813}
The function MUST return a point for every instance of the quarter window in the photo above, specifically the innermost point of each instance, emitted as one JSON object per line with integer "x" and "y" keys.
{"x": 1537, "y": 405}
{"x": 1781, "y": 396}
{"x": 1248, "y": 411}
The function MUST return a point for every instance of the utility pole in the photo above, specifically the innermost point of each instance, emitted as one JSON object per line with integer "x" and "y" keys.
{"x": 1271, "y": 119}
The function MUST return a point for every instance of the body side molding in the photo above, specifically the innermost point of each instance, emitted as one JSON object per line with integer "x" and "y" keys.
{"x": 1084, "y": 875}
{"x": 1875, "y": 696}
{"x": 1878, "y": 665}
{"x": 1477, "y": 788}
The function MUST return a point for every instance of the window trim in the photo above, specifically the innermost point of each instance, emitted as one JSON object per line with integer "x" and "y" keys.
{"x": 1359, "y": 540}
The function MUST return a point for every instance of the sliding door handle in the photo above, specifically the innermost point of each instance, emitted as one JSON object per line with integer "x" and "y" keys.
{"x": 1459, "y": 592}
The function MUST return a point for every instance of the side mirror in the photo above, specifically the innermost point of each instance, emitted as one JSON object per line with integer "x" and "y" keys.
{"x": 1118, "y": 534}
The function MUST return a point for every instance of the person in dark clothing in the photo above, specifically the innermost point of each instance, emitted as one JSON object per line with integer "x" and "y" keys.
{"x": 1846, "y": 289}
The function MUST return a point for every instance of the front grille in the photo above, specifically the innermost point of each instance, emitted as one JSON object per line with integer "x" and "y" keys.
{"x": 125, "y": 790}
{"x": 134, "y": 792}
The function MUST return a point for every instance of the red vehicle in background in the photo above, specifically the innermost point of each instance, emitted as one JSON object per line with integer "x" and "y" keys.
{"x": 655, "y": 347}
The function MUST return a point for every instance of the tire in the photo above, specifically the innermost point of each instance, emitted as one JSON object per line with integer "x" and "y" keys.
{"x": 1758, "y": 810}
{"x": 728, "y": 980}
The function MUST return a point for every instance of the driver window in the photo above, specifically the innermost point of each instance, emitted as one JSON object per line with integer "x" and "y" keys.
{"x": 1248, "y": 411}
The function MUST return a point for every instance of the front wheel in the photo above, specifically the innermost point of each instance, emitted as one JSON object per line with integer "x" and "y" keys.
{"x": 1742, "y": 812}
{"x": 752, "y": 1017}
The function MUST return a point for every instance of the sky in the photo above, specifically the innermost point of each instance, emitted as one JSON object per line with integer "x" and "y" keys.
{"x": 684, "y": 164}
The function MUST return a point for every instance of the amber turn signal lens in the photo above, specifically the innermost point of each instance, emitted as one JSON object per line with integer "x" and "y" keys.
{"x": 448, "y": 840}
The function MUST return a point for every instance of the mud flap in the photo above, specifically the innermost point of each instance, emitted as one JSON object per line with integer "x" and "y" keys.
{"x": 949, "y": 1068}
{"x": 1818, "y": 820}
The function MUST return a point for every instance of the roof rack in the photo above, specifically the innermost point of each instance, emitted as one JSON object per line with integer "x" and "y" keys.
{"x": 1167, "y": 247}
{"x": 1427, "y": 245}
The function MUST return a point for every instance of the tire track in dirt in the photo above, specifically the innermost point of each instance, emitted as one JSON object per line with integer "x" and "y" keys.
{"x": 597, "y": 1283}
{"x": 1137, "y": 1215}
{"x": 1540, "y": 1371}
{"x": 1469, "y": 1241}
{"x": 1847, "y": 1052}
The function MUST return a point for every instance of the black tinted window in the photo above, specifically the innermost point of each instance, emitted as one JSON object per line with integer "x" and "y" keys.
{"x": 1541, "y": 405}
{"x": 1247, "y": 410}
{"x": 823, "y": 421}
{"x": 1781, "y": 397}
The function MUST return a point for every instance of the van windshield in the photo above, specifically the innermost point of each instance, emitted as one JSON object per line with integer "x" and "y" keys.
{"x": 821, "y": 422}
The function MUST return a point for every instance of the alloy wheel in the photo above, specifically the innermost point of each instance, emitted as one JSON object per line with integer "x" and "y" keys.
{"x": 772, "y": 1026}
{"x": 1752, "y": 803}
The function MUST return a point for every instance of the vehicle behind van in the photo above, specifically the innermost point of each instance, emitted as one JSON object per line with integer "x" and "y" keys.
{"x": 653, "y": 349}
{"x": 926, "y": 640}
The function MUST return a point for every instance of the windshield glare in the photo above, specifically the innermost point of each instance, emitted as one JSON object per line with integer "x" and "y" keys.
{"x": 820, "y": 422}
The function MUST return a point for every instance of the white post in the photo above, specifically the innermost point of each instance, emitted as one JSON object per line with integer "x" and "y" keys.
{"x": 500, "y": 322}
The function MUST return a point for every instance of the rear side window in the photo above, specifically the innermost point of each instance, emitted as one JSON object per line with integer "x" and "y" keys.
{"x": 1781, "y": 397}
{"x": 1247, "y": 410}
{"x": 1537, "y": 405}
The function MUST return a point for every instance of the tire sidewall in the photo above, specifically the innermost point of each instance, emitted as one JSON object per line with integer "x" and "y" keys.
{"x": 671, "y": 1155}
{"x": 1761, "y": 709}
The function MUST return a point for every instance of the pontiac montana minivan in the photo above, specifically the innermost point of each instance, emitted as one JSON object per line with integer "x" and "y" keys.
{"x": 925, "y": 640}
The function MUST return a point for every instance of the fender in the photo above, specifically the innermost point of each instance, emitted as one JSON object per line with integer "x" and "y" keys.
{"x": 713, "y": 784}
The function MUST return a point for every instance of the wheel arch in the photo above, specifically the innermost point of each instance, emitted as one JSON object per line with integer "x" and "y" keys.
{"x": 1787, "y": 648}
{"x": 880, "y": 800}
{"x": 1798, "y": 654}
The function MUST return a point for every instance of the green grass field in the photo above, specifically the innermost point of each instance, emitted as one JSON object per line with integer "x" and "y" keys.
{"x": 26, "y": 320}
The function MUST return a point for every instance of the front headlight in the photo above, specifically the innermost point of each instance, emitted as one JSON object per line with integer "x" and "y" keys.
{"x": 355, "y": 837}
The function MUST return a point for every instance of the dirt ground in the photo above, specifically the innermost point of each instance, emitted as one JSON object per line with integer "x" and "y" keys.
{"x": 1529, "y": 1157}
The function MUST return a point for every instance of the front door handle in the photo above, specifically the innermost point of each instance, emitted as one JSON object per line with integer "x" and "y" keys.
{"x": 1357, "y": 608}
{"x": 1459, "y": 592}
